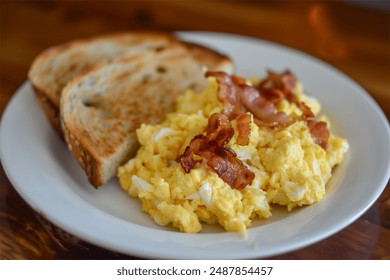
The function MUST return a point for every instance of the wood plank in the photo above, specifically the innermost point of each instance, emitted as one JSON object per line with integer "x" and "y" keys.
{"x": 350, "y": 243}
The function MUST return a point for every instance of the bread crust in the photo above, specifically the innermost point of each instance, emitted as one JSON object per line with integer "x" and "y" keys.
{"x": 88, "y": 162}
{"x": 51, "y": 111}
{"x": 209, "y": 57}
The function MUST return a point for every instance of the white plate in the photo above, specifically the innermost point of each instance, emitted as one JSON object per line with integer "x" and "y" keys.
{"x": 49, "y": 179}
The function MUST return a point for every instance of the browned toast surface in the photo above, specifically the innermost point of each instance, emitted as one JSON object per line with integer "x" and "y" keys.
{"x": 102, "y": 108}
{"x": 56, "y": 66}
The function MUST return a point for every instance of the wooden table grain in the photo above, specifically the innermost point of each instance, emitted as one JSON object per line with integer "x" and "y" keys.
{"x": 353, "y": 38}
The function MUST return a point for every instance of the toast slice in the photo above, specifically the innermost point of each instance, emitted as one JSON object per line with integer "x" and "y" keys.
{"x": 102, "y": 108}
{"x": 56, "y": 66}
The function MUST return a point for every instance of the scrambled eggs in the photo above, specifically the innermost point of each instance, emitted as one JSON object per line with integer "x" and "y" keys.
{"x": 290, "y": 169}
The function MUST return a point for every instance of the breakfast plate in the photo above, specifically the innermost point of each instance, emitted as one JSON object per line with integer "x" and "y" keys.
{"x": 46, "y": 175}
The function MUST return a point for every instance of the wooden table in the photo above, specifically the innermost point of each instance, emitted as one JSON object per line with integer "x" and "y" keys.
{"x": 354, "y": 39}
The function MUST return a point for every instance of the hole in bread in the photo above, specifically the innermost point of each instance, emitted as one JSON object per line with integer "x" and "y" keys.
{"x": 99, "y": 109}
{"x": 93, "y": 102}
{"x": 88, "y": 103}
{"x": 160, "y": 49}
{"x": 161, "y": 69}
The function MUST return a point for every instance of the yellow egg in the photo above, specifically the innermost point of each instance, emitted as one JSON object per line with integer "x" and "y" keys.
{"x": 290, "y": 169}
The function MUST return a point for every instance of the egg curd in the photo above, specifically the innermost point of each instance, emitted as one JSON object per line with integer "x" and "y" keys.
{"x": 290, "y": 169}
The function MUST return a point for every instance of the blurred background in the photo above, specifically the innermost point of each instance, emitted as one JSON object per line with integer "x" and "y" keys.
{"x": 353, "y": 36}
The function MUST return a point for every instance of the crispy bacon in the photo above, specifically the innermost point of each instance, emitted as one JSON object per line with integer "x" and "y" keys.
{"x": 306, "y": 111}
{"x": 244, "y": 129}
{"x": 238, "y": 98}
{"x": 229, "y": 92}
{"x": 187, "y": 161}
{"x": 219, "y": 129}
{"x": 319, "y": 132}
{"x": 273, "y": 95}
{"x": 264, "y": 111}
{"x": 210, "y": 149}
{"x": 283, "y": 84}
{"x": 280, "y": 86}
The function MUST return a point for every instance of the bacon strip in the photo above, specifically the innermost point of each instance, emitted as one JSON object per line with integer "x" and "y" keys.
{"x": 186, "y": 159}
{"x": 319, "y": 132}
{"x": 239, "y": 98}
{"x": 229, "y": 88}
{"x": 244, "y": 129}
{"x": 264, "y": 111}
{"x": 210, "y": 148}
{"x": 283, "y": 84}
{"x": 280, "y": 86}
{"x": 285, "y": 81}
{"x": 219, "y": 129}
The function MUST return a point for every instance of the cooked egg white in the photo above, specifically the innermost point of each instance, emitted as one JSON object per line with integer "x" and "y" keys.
{"x": 290, "y": 169}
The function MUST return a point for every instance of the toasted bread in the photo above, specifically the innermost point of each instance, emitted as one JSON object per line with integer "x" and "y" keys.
{"x": 56, "y": 66}
{"x": 102, "y": 107}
